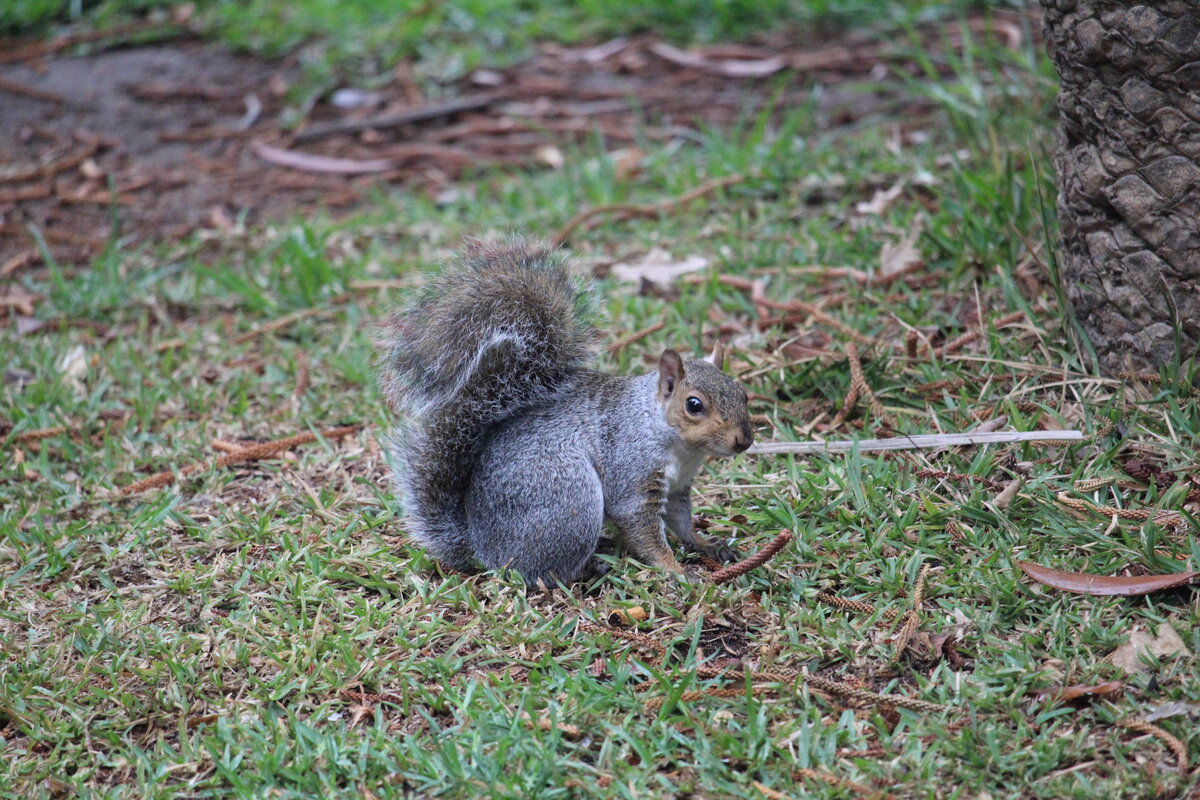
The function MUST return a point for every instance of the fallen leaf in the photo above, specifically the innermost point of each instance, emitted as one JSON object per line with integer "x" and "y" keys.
{"x": 27, "y": 325}
{"x": 551, "y": 156}
{"x": 626, "y": 162}
{"x": 658, "y": 268}
{"x": 897, "y": 257}
{"x": 1005, "y": 498}
{"x": 882, "y": 201}
{"x": 1123, "y": 585}
{"x": 1174, "y": 708}
{"x": 729, "y": 67}
{"x": 73, "y": 367}
{"x": 310, "y": 162}
{"x": 1069, "y": 694}
{"x": 18, "y": 298}
{"x": 1132, "y": 655}
{"x": 627, "y": 616}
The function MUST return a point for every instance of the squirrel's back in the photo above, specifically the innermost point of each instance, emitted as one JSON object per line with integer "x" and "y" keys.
{"x": 497, "y": 333}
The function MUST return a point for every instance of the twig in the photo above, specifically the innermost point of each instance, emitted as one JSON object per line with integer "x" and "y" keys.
{"x": 14, "y": 87}
{"x": 1135, "y": 514}
{"x": 995, "y": 486}
{"x": 756, "y": 560}
{"x": 281, "y": 322}
{"x": 254, "y": 452}
{"x": 419, "y": 114}
{"x": 1177, "y": 747}
{"x": 634, "y": 337}
{"x": 858, "y": 388}
{"x": 41, "y": 50}
{"x": 649, "y": 210}
{"x": 50, "y": 168}
{"x": 849, "y": 692}
{"x": 962, "y": 341}
{"x": 911, "y": 619}
{"x": 916, "y": 442}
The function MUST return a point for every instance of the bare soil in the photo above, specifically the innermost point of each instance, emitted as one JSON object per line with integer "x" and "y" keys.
{"x": 152, "y": 142}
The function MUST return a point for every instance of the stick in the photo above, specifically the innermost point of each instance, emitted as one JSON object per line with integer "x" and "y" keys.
{"x": 418, "y": 114}
{"x": 915, "y": 442}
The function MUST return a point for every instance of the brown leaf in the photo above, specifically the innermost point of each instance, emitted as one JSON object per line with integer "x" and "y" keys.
{"x": 311, "y": 162}
{"x": 895, "y": 258}
{"x": 1131, "y": 655}
{"x": 1123, "y": 585}
{"x": 658, "y": 268}
{"x": 1070, "y": 694}
{"x": 730, "y": 67}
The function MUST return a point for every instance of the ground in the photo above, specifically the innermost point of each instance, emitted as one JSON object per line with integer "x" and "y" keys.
{"x": 865, "y": 216}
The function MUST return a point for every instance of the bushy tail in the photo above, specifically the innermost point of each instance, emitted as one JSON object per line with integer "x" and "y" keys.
{"x": 494, "y": 335}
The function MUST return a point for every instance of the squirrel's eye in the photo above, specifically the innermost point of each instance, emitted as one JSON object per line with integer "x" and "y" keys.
{"x": 694, "y": 406}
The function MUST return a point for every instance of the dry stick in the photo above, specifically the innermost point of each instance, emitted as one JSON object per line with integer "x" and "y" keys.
{"x": 281, "y": 322}
{"x": 816, "y": 313}
{"x": 419, "y": 114}
{"x": 852, "y": 605}
{"x": 995, "y": 486}
{"x": 635, "y": 337}
{"x": 649, "y": 210}
{"x": 955, "y": 345}
{"x": 302, "y": 380}
{"x": 758, "y": 559}
{"x": 1136, "y": 514}
{"x": 38, "y": 435}
{"x": 254, "y": 452}
{"x": 912, "y": 619}
{"x": 15, "y": 87}
{"x": 834, "y": 780}
{"x": 1177, "y": 747}
{"x": 871, "y": 698}
{"x": 916, "y": 442}
{"x": 858, "y": 388}
{"x": 50, "y": 168}
{"x": 42, "y": 50}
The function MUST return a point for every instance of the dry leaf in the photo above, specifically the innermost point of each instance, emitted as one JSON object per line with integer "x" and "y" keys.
{"x": 729, "y": 67}
{"x": 551, "y": 156}
{"x": 1174, "y": 708}
{"x": 1005, "y": 498}
{"x": 882, "y": 201}
{"x": 1070, "y": 694}
{"x": 626, "y": 162}
{"x": 1124, "y": 585}
{"x": 658, "y": 268}
{"x": 18, "y": 298}
{"x": 627, "y": 616}
{"x": 1131, "y": 655}
{"x": 310, "y": 162}
{"x": 897, "y": 257}
{"x": 73, "y": 367}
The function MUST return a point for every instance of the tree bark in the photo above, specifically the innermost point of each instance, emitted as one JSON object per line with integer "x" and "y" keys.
{"x": 1128, "y": 174}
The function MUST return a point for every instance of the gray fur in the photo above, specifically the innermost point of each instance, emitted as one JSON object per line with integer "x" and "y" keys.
{"x": 509, "y": 452}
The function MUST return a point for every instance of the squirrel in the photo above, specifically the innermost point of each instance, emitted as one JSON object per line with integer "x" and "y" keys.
{"x": 510, "y": 452}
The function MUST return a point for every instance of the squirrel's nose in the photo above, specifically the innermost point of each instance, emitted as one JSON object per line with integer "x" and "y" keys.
{"x": 743, "y": 441}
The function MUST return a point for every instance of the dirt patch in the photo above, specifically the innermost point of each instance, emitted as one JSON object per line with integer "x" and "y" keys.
{"x": 168, "y": 138}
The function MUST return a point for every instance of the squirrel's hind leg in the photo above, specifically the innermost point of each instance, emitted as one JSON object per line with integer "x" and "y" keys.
{"x": 544, "y": 523}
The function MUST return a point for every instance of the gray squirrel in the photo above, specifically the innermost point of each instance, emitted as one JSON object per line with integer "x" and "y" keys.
{"x": 511, "y": 453}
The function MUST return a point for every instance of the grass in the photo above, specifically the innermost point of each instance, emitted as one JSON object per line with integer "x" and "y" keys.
{"x": 216, "y": 638}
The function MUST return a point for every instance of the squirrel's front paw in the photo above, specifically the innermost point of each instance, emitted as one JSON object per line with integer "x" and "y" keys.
{"x": 720, "y": 551}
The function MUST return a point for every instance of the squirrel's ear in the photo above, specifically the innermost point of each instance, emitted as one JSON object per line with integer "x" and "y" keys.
{"x": 670, "y": 372}
{"x": 717, "y": 358}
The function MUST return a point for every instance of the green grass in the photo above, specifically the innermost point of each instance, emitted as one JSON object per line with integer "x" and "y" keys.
{"x": 209, "y": 639}
{"x": 360, "y": 41}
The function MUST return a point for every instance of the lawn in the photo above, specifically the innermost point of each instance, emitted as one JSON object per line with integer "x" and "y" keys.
{"x": 261, "y": 627}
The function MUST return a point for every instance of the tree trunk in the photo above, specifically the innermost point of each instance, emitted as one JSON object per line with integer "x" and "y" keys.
{"x": 1129, "y": 184}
